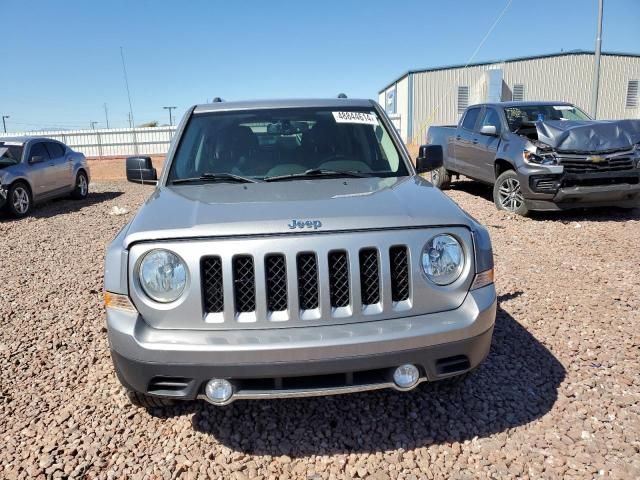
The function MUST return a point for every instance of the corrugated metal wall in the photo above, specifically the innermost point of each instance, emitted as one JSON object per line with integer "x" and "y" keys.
{"x": 615, "y": 73}
{"x": 435, "y": 96}
{"x": 566, "y": 78}
{"x": 401, "y": 115}
{"x": 113, "y": 141}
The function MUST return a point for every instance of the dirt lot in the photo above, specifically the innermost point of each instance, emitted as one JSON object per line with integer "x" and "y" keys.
{"x": 559, "y": 395}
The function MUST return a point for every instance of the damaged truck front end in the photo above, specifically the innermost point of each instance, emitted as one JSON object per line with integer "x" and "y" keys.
{"x": 571, "y": 164}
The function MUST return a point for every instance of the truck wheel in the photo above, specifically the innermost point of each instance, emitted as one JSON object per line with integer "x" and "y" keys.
{"x": 507, "y": 194}
{"x": 147, "y": 401}
{"x": 81, "y": 190}
{"x": 19, "y": 200}
{"x": 441, "y": 178}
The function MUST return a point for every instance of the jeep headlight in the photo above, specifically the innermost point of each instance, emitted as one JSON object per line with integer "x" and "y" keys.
{"x": 162, "y": 275}
{"x": 443, "y": 259}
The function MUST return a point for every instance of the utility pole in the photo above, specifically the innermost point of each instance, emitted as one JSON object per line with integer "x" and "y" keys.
{"x": 106, "y": 114}
{"x": 596, "y": 64}
{"x": 170, "y": 117}
{"x": 4, "y": 124}
{"x": 93, "y": 124}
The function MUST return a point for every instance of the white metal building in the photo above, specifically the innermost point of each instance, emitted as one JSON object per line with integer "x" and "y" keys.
{"x": 437, "y": 96}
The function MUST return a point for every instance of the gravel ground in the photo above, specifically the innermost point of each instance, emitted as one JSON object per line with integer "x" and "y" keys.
{"x": 559, "y": 395}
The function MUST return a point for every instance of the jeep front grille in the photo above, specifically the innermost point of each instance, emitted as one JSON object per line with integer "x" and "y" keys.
{"x": 399, "y": 273}
{"x": 212, "y": 293}
{"x": 308, "y": 281}
{"x": 339, "y": 278}
{"x": 369, "y": 276}
{"x": 337, "y": 285}
{"x": 244, "y": 283}
{"x": 276, "y": 271}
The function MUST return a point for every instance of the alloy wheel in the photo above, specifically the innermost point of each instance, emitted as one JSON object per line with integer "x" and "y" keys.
{"x": 510, "y": 195}
{"x": 82, "y": 185}
{"x": 21, "y": 200}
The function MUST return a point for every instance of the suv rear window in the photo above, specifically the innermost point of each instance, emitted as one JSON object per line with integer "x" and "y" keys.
{"x": 266, "y": 143}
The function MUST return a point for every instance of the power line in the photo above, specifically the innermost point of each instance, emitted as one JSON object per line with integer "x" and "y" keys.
{"x": 473, "y": 55}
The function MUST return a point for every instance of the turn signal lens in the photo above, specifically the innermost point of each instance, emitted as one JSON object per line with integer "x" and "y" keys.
{"x": 118, "y": 301}
{"x": 483, "y": 279}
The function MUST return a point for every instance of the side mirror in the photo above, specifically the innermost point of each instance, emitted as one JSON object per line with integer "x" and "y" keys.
{"x": 489, "y": 130}
{"x": 429, "y": 158}
{"x": 140, "y": 170}
{"x": 36, "y": 159}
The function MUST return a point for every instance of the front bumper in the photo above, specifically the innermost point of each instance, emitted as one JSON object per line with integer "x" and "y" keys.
{"x": 621, "y": 189}
{"x": 301, "y": 361}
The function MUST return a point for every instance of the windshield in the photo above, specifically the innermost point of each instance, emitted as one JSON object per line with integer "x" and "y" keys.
{"x": 9, "y": 154}
{"x": 286, "y": 142}
{"x": 518, "y": 116}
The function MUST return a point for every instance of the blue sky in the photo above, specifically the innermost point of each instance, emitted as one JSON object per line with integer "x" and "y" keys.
{"x": 61, "y": 59}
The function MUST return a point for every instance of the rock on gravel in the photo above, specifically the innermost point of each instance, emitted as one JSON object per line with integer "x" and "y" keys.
{"x": 559, "y": 395}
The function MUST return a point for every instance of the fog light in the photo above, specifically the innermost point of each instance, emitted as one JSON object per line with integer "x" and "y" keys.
{"x": 218, "y": 390}
{"x": 406, "y": 376}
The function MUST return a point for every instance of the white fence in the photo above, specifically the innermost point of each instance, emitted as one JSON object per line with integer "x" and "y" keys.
{"x": 112, "y": 141}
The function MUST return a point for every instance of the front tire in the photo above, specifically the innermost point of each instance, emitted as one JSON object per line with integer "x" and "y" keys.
{"x": 441, "y": 178}
{"x": 507, "y": 194}
{"x": 147, "y": 401}
{"x": 19, "y": 200}
{"x": 81, "y": 189}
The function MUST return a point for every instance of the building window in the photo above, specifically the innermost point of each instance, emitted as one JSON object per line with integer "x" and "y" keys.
{"x": 631, "y": 100}
{"x": 390, "y": 100}
{"x": 518, "y": 93}
{"x": 463, "y": 98}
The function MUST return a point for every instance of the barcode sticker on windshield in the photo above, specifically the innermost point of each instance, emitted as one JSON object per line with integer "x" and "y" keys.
{"x": 355, "y": 117}
{"x": 562, "y": 107}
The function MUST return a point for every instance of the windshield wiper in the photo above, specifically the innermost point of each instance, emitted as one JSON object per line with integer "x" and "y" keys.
{"x": 216, "y": 177}
{"x": 317, "y": 172}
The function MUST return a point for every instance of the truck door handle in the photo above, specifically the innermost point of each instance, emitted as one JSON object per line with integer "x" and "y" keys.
{"x": 457, "y": 137}
{"x": 475, "y": 140}
{"x": 52, "y": 164}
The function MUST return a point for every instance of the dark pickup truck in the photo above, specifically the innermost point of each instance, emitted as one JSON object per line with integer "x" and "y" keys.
{"x": 542, "y": 156}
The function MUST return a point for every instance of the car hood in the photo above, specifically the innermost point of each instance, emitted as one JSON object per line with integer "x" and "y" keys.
{"x": 292, "y": 207}
{"x": 589, "y": 136}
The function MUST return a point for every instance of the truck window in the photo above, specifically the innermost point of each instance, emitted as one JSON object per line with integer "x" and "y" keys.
{"x": 490, "y": 118}
{"x": 519, "y": 116}
{"x": 469, "y": 121}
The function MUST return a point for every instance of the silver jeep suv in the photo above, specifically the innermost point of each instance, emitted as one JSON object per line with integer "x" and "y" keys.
{"x": 289, "y": 249}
